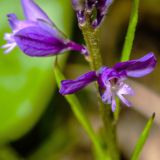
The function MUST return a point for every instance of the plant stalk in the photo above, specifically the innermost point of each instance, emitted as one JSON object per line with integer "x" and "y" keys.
{"x": 95, "y": 59}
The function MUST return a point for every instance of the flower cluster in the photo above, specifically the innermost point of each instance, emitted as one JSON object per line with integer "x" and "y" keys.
{"x": 37, "y": 35}
{"x": 95, "y": 10}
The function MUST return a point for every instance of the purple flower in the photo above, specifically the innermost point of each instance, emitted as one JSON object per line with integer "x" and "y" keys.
{"x": 111, "y": 81}
{"x": 37, "y": 35}
{"x": 88, "y": 8}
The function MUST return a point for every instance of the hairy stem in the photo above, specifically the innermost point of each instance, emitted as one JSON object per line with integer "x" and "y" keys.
{"x": 92, "y": 42}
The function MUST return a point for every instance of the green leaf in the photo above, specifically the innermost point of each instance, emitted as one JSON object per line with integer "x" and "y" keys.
{"x": 142, "y": 139}
{"x": 131, "y": 31}
{"x": 26, "y": 84}
{"x": 128, "y": 43}
{"x": 81, "y": 117}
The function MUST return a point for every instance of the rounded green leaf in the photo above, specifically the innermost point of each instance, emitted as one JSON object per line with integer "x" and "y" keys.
{"x": 26, "y": 84}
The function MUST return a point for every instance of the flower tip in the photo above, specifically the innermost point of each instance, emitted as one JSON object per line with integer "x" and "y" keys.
{"x": 30, "y": 7}
{"x": 153, "y": 115}
{"x": 152, "y": 58}
{"x": 12, "y": 16}
{"x": 84, "y": 51}
{"x": 113, "y": 109}
{"x": 151, "y": 55}
{"x": 8, "y": 47}
{"x": 78, "y": 5}
{"x": 62, "y": 90}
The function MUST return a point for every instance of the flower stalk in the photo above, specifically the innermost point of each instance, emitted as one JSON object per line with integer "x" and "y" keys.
{"x": 92, "y": 43}
{"x": 95, "y": 59}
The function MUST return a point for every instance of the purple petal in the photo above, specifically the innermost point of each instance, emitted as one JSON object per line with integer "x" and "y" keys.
{"x": 36, "y": 41}
{"x": 17, "y": 25}
{"x": 102, "y": 9}
{"x": 51, "y": 29}
{"x": 33, "y": 12}
{"x": 113, "y": 104}
{"x": 79, "y": 7}
{"x": 81, "y": 17}
{"x": 13, "y": 20}
{"x": 11, "y": 44}
{"x": 89, "y": 8}
{"x": 72, "y": 86}
{"x": 104, "y": 5}
{"x": 105, "y": 74}
{"x": 107, "y": 95}
{"x": 90, "y": 4}
{"x": 77, "y": 47}
{"x": 124, "y": 89}
{"x": 124, "y": 100}
{"x": 139, "y": 67}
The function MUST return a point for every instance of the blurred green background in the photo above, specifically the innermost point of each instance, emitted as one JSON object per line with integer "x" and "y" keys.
{"x": 36, "y": 123}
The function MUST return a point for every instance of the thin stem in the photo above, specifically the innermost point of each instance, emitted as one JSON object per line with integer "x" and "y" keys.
{"x": 110, "y": 132}
{"x": 92, "y": 42}
{"x": 131, "y": 31}
{"x": 117, "y": 111}
{"x": 81, "y": 117}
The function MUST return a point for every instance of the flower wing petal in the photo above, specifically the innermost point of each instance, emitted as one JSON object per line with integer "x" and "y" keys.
{"x": 33, "y": 12}
{"x": 13, "y": 20}
{"x": 17, "y": 25}
{"x": 139, "y": 67}
{"x": 124, "y": 100}
{"x": 36, "y": 41}
{"x": 72, "y": 86}
{"x": 102, "y": 9}
{"x": 113, "y": 104}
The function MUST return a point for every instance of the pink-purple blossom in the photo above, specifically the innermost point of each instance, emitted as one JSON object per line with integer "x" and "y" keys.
{"x": 94, "y": 9}
{"x": 111, "y": 81}
{"x": 37, "y": 35}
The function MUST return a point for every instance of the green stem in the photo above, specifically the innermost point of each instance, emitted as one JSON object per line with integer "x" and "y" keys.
{"x": 131, "y": 31}
{"x": 81, "y": 117}
{"x": 110, "y": 132}
{"x": 92, "y": 42}
{"x": 127, "y": 47}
